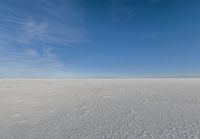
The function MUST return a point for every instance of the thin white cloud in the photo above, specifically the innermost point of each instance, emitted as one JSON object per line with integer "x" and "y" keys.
{"x": 30, "y": 29}
{"x": 32, "y": 52}
{"x": 33, "y": 31}
{"x": 51, "y": 33}
{"x": 54, "y": 22}
{"x": 30, "y": 63}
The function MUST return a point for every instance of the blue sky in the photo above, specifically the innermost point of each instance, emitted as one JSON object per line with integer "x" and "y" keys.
{"x": 98, "y": 38}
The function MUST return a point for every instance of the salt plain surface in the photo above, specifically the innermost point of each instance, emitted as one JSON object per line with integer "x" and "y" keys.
{"x": 100, "y": 108}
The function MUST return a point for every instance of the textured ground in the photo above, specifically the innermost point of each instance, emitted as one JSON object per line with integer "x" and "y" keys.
{"x": 100, "y": 109}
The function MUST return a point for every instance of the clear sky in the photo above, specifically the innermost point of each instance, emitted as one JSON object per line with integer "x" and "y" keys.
{"x": 97, "y": 38}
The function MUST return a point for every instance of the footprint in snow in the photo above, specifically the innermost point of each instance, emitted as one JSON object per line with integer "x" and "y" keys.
{"x": 129, "y": 112}
{"x": 85, "y": 113}
{"x": 17, "y": 115}
{"x": 24, "y": 120}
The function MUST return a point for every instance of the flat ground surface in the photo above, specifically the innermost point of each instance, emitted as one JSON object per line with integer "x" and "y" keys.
{"x": 100, "y": 109}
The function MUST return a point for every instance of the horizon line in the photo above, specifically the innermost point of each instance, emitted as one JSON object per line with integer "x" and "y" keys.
{"x": 106, "y": 77}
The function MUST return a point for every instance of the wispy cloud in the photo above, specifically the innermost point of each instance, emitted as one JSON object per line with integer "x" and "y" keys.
{"x": 54, "y": 22}
{"x": 51, "y": 33}
{"x": 34, "y": 31}
{"x": 30, "y": 62}
{"x": 30, "y": 29}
